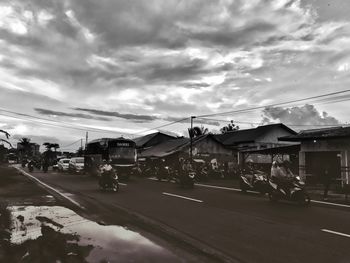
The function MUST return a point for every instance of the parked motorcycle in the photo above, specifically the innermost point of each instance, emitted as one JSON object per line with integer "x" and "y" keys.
{"x": 258, "y": 182}
{"x": 108, "y": 179}
{"x": 293, "y": 191}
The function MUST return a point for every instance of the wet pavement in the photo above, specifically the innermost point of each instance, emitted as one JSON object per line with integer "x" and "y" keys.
{"x": 58, "y": 234}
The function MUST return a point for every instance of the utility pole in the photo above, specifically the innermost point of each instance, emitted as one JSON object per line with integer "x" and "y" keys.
{"x": 191, "y": 139}
{"x": 86, "y": 139}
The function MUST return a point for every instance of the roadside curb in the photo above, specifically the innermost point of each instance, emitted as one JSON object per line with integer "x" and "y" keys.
{"x": 49, "y": 189}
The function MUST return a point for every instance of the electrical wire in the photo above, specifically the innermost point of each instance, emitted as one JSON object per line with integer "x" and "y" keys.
{"x": 58, "y": 123}
{"x": 162, "y": 126}
{"x": 287, "y": 124}
{"x": 275, "y": 104}
{"x": 71, "y": 144}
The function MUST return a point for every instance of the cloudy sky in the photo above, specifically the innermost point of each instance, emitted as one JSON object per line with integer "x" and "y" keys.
{"x": 123, "y": 67}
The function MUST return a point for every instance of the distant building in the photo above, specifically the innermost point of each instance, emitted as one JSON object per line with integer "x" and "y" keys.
{"x": 322, "y": 149}
{"x": 245, "y": 142}
{"x": 149, "y": 140}
{"x": 203, "y": 147}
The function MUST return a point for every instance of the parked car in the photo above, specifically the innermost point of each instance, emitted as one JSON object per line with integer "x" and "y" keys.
{"x": 63, "y": 164}
{"x": 76, "y": 165}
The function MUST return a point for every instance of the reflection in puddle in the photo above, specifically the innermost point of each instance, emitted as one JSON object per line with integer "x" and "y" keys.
{"x": 55, "y": 232}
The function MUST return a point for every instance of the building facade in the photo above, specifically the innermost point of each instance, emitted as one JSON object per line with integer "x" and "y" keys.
{"x": 324, "y": 149}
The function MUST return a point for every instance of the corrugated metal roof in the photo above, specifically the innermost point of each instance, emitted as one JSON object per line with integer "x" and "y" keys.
{"x": 326, "y": 133}
{"x": 141, "y": 141}
{"x": 165, "y": 148}
{"x": 248, "y": 135}
{"x": 172, "y": 146}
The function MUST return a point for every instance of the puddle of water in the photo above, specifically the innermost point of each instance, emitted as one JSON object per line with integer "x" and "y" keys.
{"x": 56, "y": 228}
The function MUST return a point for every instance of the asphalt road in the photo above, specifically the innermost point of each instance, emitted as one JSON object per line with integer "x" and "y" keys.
{"x": 245, "y": 227}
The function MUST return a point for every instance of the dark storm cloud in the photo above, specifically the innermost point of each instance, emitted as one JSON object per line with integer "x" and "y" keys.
{"x": 304, "y": 115}
{"x": 171, "y": 104}
{"x": 254, "y": 32}
{"x": 180, "y": 71}
{"x": 73, "y": 115}
{"x": 173, "y": 58}
{"x": 197, "y": 121}
{"x": 134, "y": 117}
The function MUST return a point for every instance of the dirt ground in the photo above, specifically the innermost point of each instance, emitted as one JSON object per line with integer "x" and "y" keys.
{"x": 15, "y": 189}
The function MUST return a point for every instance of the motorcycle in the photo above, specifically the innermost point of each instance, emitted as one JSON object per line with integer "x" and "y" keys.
{"x": 24, "y": 162}
{"x": 164, "y": 173}
{"x": 258, "y": 183}
{"x": 292, "y": 191}
{"x": 108, "y": 179}
{"x": 186, "y": 179}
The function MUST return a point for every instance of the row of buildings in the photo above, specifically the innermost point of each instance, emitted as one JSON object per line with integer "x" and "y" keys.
{"x": 311, "y": 152}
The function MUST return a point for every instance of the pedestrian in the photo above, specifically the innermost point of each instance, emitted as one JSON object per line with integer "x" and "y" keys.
{"x": 326, "y": 181}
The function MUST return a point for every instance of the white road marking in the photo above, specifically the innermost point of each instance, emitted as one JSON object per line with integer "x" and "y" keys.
{"x": 51, "y": 188}
{"x": 238, "y": 190}
{"x": 225, "y": 188}
{"x": 335, "y": 232}
{"x": 218, "y": 187}
{"x": 329, "y": 203}
{"x": 123, "y": 184}
{"x": 183, "y": 197}
{"x": 153, "y": 179}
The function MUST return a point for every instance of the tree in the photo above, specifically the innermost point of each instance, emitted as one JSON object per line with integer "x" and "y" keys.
{"x": 7, "y": 137}
{"x": 50, "y": 145}
{"x": 198, "y": 131}
{"x": 229, "y": 127}
{"x": 3, "y": 150}
{"x": 80, "y": 152}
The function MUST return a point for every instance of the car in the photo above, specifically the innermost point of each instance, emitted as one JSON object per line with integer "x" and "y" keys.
{"x": 63, "y": 164}
{"x": 76, "y": 165}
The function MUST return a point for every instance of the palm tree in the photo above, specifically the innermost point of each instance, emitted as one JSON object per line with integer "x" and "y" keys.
{"x": 25, "y": 143}
{"x": 55, "y": 146}
{"x": 198, "y": 131}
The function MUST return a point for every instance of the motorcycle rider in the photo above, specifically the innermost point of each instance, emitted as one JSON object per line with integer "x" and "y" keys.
{"x": 106, "y": 167}
{"x": 282, "y": 175}
{"x": 249, "y": 171}
{"x": 107, "y": 172}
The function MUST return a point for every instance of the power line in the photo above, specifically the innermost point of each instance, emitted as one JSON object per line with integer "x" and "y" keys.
{"x": 275, "y": 104}
{"x": 78, "y": 127}
{"x": 162, "y": 126}
{"x": 55, "y": 123}
{"x": 288, "y": 124}
{"x": 70, "y": 144}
